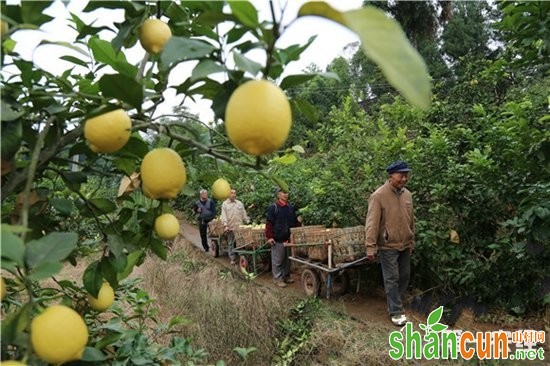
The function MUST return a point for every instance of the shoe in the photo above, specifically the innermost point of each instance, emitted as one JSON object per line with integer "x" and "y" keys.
{"x": 280, "y": 283}
{"x": 289, "y": 280}
{"x": 399, "y": 320}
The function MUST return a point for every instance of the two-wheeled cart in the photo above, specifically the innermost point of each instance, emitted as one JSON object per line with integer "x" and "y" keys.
{"x": 253, "y": 250}
{"x": 217, "y": 239}
{"x": 326, "y": 256}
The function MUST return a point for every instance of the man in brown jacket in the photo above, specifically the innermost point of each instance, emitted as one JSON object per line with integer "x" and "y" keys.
{"x": 389, "y": 234}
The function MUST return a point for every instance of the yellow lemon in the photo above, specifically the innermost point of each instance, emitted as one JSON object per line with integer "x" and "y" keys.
{"x": 2, "y": 288}
{"x": 167, "y": 226}
{"x": 108, "y": 132}
{"x": 153, "y": 35}
{"x": 12, "y": 363}
{"x": 163, "y": 173}
{"x": 221, "y": 189}
{"x": 4, "y": 28}
{"x": 105, "y": 298}
{"x": 59, "y": 334}
{"x": 258, "y": 117}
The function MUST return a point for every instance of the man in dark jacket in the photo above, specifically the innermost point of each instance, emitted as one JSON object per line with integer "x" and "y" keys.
{"x": 281, "y": 216}
{"x": 389, "y": 235}
{"x": 205, "y": 208}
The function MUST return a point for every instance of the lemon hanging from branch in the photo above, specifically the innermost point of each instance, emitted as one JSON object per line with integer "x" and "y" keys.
{"x": 59, "y": 335}
{"x": 221, "y": 189}
{"x": 167, "y": 226}
{"x": 153, "y": 35}
{"x": 108, "y": 132}
{"x": 163, "y": 173}
{"x": 258, "y": 117}
{"x": 104, "y": 300}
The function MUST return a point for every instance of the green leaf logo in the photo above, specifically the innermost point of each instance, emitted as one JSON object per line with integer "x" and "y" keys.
{"x": 432, "y": 323}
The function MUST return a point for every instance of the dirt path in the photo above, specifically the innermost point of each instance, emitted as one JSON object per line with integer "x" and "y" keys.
{"x": 367, "y": 308}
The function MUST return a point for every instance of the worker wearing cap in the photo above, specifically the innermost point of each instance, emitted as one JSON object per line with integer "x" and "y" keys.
{"x": 389, "y": 235}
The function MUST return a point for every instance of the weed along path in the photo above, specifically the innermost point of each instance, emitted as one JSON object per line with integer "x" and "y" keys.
{"x": 368, "y": 308}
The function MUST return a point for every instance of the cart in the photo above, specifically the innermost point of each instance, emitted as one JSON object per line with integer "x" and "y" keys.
{"x": 320, "y": 270}
{"x": 253, "y": 251}
{"x": 217, "y": 239}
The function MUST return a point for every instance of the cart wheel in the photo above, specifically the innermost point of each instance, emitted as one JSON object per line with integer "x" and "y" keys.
{"x": 214, "y": 247}
{"x": 311, "y": 282}
{"x": 245, "y": 263}
{"x": 340, "y": 283}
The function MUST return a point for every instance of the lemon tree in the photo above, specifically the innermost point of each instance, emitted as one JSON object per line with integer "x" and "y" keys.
{"x": 167, "y": 226}
{"x": 104, "y": 299}
{"x": 59, "y": 334}
{"x": 68, "y": 138}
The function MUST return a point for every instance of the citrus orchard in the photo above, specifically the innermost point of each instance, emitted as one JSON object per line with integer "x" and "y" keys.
{"x": 104, "y": 300}
{"x": 153, "y": 35}
{"x": 167, "y": 226}
{"x": 221, "y": 189}
{"x": 163, "y": 173}
{"x": 59, "y": 334}
{"x": 108, "y": 132}
{"x": 258, "y": 117}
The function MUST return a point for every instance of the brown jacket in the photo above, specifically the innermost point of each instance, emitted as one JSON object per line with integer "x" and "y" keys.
{"x": 390, "y": 220}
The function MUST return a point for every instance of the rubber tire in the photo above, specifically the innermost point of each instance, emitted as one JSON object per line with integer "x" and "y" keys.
{"x": 214, "y": 248}
{"x": 245, "y": 263}
{"x": 311, "y": 282}
{"x": 340, "y": 284}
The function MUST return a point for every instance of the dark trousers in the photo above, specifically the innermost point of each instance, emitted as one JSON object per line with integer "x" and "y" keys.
{"x": 396, "y": 270}
{"x": 280, "y": 264}
{"x": 203, "y": 226}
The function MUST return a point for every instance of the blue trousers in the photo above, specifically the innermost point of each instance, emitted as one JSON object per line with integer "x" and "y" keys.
{"x": 396, "y": 270}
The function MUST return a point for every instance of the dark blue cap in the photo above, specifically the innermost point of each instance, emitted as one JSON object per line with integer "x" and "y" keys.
{"x": 397, "y": 167}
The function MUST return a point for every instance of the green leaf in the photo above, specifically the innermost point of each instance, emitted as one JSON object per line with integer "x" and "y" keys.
{"x": 438, "y": 327}
{"x": 306, "y": 108}
{"x": 103, "y": 205}
{"x": 108, "y": 267}
{"x": 12, "y": 247}
{"x": 45, "y": 270}
{"x": 53, "y": 247}
{"x": 299, "y": 149}
{"x": 246, "y": 64}
{"x": 206, "y": 68}
{"x": 435, "y": 316}
{"x": 104, "y": 52}
{"x": 109, "y": 339}
{"x": 92, "y": 354}
{"x": 286, "y": 159}
{"x": 297, "y": 79}
{"x": 62, "y": 205}
{"x": 157, "y": 246}
{"x": 245, "y": 12}
{"x": 115, "y": 244}
{"x": 280, "y": 182}
{"x": 15, "y": 323}
{"x": 8, "y": 113}
{"x": 123, "y": 88}
{"x": 179, "y": 49}
{"x": 131, "y": 260}
{"x": 73, "y": 180}
{"x": 385, "y": 43}
{"x": 92, "y": 279}
{"x": 32, "y": 12}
